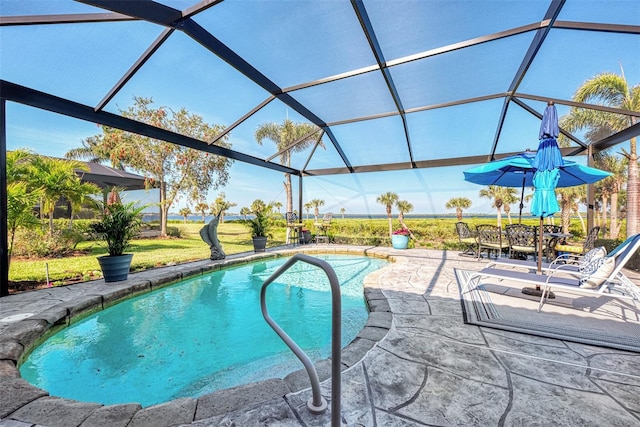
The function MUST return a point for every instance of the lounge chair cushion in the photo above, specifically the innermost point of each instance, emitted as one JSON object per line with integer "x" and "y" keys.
{"x": 596, "y": 272}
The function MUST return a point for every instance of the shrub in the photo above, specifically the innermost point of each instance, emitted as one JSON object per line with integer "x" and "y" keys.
{"x": 174, "y": 232}
{"x": 39, "y": 243}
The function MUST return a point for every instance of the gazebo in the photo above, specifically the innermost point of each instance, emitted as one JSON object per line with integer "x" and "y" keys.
{"x": 107, "y": 177}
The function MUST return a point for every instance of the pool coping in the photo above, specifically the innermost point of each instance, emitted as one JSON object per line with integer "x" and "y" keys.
{"x": 20, "y": 401}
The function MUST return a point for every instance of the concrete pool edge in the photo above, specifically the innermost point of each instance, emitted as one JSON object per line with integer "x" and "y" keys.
{"x": 20, "y": 401}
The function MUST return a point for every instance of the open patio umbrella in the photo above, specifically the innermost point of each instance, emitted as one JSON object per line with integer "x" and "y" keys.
{"x": 518, "y": 171}
{"x": 545, "y": 171}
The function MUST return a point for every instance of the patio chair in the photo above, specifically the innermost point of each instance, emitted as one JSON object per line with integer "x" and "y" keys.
{"x": 549, "y": 228}
{"x": 323, "y": 227}
{"x": 603, "y": 276}
{"x": 490, "y": 238}
{"x": 293, "y": 227}
{"x": 467, "y": 239}
{"x": 589, "y": 243}
{"x": 522, "y": 240}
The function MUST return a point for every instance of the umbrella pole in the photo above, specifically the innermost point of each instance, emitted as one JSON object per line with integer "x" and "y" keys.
{"x": 522, "y": 198}
{"x": 540, "y": 240}
{"x": 537, "y": 291}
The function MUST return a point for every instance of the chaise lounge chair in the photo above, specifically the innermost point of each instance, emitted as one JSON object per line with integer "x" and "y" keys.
{"x": 570, "y": 262}
{"x": 600, "y": 277}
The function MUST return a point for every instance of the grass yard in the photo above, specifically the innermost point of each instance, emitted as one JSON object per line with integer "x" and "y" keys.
{"x": 149, "y": 253}
{"x": 235, "y": 238}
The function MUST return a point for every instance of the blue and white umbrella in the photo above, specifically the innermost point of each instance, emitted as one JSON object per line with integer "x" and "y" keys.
{"x": 546, "y": 163}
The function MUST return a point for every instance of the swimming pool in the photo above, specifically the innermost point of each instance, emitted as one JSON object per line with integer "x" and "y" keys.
{"x": 200, "y": 335}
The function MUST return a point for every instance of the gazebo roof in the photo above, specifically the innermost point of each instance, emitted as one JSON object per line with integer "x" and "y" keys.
{"x": 106, "y": 177}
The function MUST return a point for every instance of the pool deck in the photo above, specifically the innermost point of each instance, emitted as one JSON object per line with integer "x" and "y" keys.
{"x": 415, "y": 363}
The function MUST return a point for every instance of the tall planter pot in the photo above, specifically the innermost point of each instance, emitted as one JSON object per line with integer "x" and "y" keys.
{"x": 115, "y": 268}
{"x": 259, "y": 244}
{"x": 399, "y": 241}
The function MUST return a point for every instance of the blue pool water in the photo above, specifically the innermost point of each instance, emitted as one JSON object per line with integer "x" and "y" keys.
{"x": 200, "y": 335}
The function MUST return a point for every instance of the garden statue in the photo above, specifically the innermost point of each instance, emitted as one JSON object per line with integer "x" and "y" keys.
{"x": 209, "y": 234}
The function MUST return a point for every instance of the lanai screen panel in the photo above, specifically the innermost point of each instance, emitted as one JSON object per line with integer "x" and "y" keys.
{"x": 414, "y": 80}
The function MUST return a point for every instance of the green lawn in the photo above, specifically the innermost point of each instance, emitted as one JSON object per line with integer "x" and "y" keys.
{"x": 149, "y": 253}
{"x": 436, "y": 233}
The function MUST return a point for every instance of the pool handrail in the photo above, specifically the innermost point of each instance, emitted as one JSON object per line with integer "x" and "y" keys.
{"x": 317, "y": 404}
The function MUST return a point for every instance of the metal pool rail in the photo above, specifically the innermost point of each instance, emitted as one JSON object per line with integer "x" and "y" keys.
{"x": 317, "y": 404}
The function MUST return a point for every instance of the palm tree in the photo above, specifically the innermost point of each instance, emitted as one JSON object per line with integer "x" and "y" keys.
{"x": 613, "y": 185}
{"x": 202, "y": 207}
{"x": 315, "y": 204}
{"x": 509, "y": 196}
{"x": 612, "y": 90}
{"x": 56, "y": 178}
{"x": 307, "y": 207}
{"x": 20, "y": 197}
{"x": 79, "y": 193}
{"x": 283, "y": 136}
{"x": 403, "y": 208}
{"x": 244, "y": 211}
{"x": 388, "y": 199}
{"x": 20, "y": 203}
{"x": 497, "y": 194}
{"x": 342, "y": 211}
{"x": 277, "y": 206}
{"x": 602, "y": 189}
{"x": 258, "y": 206}
{"x": 568, "y": 197}
{"x": 185, "y": 212}
{"x": 221, "y": 205}
{"x": 458, "y": 203}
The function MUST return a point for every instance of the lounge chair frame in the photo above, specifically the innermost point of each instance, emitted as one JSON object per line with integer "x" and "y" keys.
{"x": 566, "y": 277}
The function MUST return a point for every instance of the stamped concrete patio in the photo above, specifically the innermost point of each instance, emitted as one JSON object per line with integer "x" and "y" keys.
{"x": 415, "y": 363}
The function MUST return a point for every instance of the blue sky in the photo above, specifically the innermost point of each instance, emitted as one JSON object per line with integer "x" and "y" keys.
{"x": 95, "y": 56}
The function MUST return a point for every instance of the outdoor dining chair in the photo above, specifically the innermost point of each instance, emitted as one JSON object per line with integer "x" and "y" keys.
{"x": 522, "y": 240}
{"x": 490, "y": 239}
{"x": 293, "y": 227}
{"x": 588, "y": 244}
{"x": 323, "y": 228}
{"x": 467, "y": 239}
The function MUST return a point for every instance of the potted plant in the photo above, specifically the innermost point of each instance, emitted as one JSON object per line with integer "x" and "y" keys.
{"x": 117, "y": 226}
{"x": 260, "y": 225}
{"x": 400, "y": 238}
{"x": 305, "y": 235}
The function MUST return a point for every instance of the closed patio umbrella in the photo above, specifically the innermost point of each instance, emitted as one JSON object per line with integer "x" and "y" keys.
{"x": 548, "y": 155}
{"x": 546, "y": 163}
{"x": 545, "y": 179}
